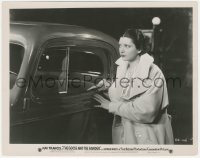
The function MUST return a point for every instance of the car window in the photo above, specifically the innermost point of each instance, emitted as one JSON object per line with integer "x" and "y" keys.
{"x": 49, "y": 69}
{"x": 16, "y": 58}
{"x": 69, "y": 70}
{"x": 51, "y": 59}
{"x": 85, "y": 66}
{"x": 85, "y": 60}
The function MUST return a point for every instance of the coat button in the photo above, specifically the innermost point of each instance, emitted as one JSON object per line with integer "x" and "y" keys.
{"x": 137, "y": 134}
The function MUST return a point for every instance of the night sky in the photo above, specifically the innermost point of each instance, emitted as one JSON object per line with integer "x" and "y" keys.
{"x": 112, "y": 21}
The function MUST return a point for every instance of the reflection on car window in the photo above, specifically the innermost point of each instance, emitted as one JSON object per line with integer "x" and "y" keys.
{"x": 16, "y": 57}
{"x": 85, "y": 65}
{"x": 51, "y": 59}
{"x": 48, "y": 72}
{"x": 62, "y": 70}
{"x": 85, "y": 61}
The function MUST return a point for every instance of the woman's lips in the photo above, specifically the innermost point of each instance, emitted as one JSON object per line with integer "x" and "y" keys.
{"x": 122, "y": 55}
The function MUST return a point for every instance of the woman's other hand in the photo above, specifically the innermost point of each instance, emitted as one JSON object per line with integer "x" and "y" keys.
{"x": 104, "y": 102}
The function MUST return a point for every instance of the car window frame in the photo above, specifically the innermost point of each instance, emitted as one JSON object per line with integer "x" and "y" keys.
{"x": 68, "y": 42}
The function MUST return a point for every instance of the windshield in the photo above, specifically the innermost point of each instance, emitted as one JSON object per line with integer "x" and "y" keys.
{"x": 16, "y": 57}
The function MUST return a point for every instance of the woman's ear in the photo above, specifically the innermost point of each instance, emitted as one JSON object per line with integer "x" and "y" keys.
{"x": 139, "y": 51}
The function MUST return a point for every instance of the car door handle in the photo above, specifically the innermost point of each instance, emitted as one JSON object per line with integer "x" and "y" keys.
{"x": 26, "y": 104}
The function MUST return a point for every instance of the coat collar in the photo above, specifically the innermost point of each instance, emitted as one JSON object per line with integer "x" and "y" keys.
{"x": 143, "y": 67}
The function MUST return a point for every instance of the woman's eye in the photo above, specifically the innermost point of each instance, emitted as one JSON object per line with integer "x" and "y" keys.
{"x": 127, "y": 46}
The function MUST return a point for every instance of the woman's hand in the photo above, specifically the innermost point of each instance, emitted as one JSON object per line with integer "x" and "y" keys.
{"x": 102, "y": 85}
{"x": 104, "y": 102}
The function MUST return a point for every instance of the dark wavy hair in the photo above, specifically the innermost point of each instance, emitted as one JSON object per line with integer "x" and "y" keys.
{"x": 137, "y": 37}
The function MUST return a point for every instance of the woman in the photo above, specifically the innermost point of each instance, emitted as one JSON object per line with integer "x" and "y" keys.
{"x": 138, "y": 97}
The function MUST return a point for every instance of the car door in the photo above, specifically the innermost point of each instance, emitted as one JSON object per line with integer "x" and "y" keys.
{"x": 60, "y": 109}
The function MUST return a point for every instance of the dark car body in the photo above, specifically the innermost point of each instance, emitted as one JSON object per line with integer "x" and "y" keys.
{"x": 52, "y": 66}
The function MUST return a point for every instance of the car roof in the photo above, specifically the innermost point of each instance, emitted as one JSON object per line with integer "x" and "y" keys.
{"x": 47, "y": 30}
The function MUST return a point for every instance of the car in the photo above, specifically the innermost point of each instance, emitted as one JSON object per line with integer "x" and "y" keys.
{"x": 52, "y": 68}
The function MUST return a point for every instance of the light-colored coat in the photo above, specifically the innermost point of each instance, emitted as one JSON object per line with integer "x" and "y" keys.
{"x": 140, "y": 106}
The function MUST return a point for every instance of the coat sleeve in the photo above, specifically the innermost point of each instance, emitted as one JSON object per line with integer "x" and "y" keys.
{"x": 145, "y": 108}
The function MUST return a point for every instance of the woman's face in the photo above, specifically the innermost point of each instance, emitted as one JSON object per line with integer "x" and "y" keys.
{"x": 127, "y": 49}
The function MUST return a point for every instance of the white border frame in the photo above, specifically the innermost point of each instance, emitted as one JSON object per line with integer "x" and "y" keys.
{"x": 26, "y": 149}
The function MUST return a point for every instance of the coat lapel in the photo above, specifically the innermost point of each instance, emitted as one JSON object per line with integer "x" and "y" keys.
{"x": 138, "y": 83}
{"x": 122, "y": 68}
